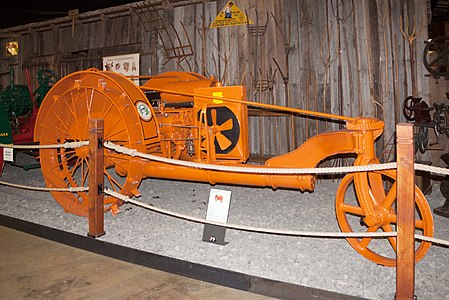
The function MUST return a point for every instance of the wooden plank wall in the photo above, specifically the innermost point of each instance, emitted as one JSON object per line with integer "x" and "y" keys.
{"x": 344, "y": 57}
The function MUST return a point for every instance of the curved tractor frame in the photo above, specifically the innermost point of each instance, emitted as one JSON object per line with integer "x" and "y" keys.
{"x": 186, "y": 116}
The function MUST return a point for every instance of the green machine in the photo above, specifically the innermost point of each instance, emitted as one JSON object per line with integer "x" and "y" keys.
{"x": 18, "y": 111}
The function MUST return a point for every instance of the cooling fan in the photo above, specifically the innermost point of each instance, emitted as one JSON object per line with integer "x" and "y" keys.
{"x": 223, "y": 128}
{"x": 223, "y": 125}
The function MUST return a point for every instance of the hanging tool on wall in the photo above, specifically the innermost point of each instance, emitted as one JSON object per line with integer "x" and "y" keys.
{"x": 74, "y": 15}
{"x": 176, "y": 50}
{"x": 257, "y": 31}
{"x": 411, "y": 40}
{"x": 291, "y": 140}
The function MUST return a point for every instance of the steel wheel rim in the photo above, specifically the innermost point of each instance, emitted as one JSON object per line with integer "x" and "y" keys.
{"x": 66, "y": 119}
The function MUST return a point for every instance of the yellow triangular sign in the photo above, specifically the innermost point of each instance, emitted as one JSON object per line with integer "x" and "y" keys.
{"x": 230, "y": 15}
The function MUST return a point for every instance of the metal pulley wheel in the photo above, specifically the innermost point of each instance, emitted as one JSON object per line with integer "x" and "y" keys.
{"x": 422, "y": 138}
{"x": 46, "y": 77}
{"x": 64, "y": 117}
{"x": 407, "y": 108}
{"x": 380, "y": 188}
{"x": 436, "y": 56}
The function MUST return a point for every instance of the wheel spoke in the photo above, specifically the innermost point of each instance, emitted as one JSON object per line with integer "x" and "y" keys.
{"x": 354, "y": 210}
{"x": 437, "y": 59}
{"x": 121, "y": 162}
{"x": 366, "y": 240}
{"x": 78, "y": 162}
{"x": 84, "y": 172}
{"x": 67, "y": 129}
{"x": 64, "y": 160}
{"x": 391, "y": 197}
{"x": 419, "y": 224}
{"x": 107, "y": 134}
{"x": 108, "y": 137}
{"x": 112, "y": 181}
{"x": 65, "y": 153}
{"x": 391, "y": 239}
{"x": 105, "y": 113}
{"x": 73, "y": 112}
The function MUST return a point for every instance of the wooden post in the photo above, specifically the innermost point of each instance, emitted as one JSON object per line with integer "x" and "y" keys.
{"x": 405, "y": 268}
{"x": 96, "y": 178}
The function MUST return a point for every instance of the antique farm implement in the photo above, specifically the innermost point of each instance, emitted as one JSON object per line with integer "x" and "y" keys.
{"x": 18, "y": 110}
{"x": 188, "y": 117}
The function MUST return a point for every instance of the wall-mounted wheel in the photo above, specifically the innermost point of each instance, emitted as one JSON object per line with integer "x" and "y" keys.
{"x": 352, "y": 217}
{"x": 436, "y": 56}
{"x": 64, "y": 117}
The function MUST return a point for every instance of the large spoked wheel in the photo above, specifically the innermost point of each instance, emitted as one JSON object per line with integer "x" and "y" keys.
{"x": 436, "y": 56}
{"x": 382, "y": 192}
{"x": 64, "y": 117}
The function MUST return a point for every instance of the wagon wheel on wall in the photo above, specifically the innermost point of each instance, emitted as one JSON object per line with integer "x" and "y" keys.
{"x": 436, "y": 56}
{"x": 382, "y": 192}
{"x": 64, "y": 117}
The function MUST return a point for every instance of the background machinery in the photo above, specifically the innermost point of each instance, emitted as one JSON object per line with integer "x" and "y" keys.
{"x": 18, "y": 110}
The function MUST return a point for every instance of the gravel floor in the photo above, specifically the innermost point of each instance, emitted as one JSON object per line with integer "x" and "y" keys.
{"x": 329, "y": 264}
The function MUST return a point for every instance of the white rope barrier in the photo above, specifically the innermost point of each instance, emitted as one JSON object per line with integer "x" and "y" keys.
{"x": 271, "y": 230}
{"x": 45, "y": 189}
{"x": 223, "y": 168}
{"x": 432, "y": 240}
{"x": 50, "y": 146}
{"x": 257, "y": 170}
{"x": 431, "y": 169}
{"x": 249, "y": 228}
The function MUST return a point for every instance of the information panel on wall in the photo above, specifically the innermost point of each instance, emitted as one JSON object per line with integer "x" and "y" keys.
{"x": 127, "y": 64}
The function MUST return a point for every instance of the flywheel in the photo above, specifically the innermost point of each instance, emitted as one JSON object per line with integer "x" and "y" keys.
{"x": 381, "y": 190}
{"x": 64, "y": 117}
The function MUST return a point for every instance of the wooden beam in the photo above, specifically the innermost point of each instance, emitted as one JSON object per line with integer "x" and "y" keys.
{"x": 405, "y": 268}
{"x": 96, "y": 178}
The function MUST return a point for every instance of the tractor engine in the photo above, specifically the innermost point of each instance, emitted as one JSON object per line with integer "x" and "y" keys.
{"x": 174, "y": 113}
{"x": 175, "y": 131}
{"x": 197, "y": 128}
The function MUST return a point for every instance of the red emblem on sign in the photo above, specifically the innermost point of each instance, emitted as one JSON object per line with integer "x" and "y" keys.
{"x": 219, "y": 198}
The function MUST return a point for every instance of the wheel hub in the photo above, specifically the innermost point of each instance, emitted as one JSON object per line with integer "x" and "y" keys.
{"x": 380, "y": 217}
{"x": 82, "y": 152}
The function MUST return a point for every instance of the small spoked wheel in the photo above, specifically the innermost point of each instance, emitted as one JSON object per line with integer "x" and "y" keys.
{"x": 46, "y": 77}
{"x": 422, "y": 141}
{"x": 407, "y": 108}
{"x": 381, "y": 190}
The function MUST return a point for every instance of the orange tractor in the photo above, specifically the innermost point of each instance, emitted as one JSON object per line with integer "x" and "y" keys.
{"x": 185, "y": 116}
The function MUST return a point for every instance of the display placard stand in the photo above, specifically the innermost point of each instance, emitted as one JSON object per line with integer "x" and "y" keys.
{"x": 217, "y": 211}
{"x": 214, "y": 234}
